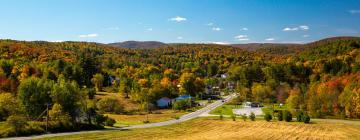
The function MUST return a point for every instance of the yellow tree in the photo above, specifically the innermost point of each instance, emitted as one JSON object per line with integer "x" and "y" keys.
{"x": 187, "y": 85}
{"x": 295, "y": 99}
{"x": 98, "y": 80}
{"x": 260, "y": 92}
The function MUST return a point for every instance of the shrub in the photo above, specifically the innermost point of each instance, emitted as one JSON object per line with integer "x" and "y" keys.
{"x": 306, "y": 118}
{"x": 244, "y": 117}
{"x": 268, "y": 117}
{"x": 287, "y": 116}
{"x": 100, "y": 119}
{"x": 299, "y": 116}
{"x": 280, "y": 116}
{"x": 176, "y": 117}
{"x": 252, "y": 116}
{"x": 221, "y": 116}
{"x": 34, "y": 128}
{"x": 8, "y": 105}
{"x": 110, "y": 105}
{"x": 110, "y": 122}
{"x": 15, "y": 125}
{"x": 180, "y": 105}
{"x": 233, "y": 117}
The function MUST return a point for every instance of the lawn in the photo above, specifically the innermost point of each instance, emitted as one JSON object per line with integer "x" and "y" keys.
{"x": 224, "y": 109}
{"x": 268, "y": 108}
{"x": 214, "y": 129}
{"x": 161, "y": 115}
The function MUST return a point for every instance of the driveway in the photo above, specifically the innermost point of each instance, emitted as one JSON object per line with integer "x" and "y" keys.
{"x": 183, "y": 118}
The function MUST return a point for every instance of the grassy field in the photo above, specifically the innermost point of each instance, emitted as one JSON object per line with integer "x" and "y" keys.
{"x": 224, "y": 109}
{"x": 213, "y": 129}
{"x": 268, "y": 108}
{"x": 162, "y": 115}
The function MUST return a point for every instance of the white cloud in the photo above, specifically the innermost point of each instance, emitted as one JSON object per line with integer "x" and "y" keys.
{"x": 242, "y": 38}
{"x": 216, "y": 29}
{"x": 304, "y": 27}
{"x": 220, "y": 43}
{"x": 244, "y": 29}
{"x": 301, "y": 27}
{"x": 178, "y": 19}
{"x": 270, "y": 39}
{"x": 354, "y": 11}
{"x": 290, "y": 29}
{"x": 88, "y": 35}
{"x": 210, "y": 24}
{"x": 149, "y": 29}
{"x": 57, "y": 41}
{"x": 179, "y": 38}
{"x": 305, "y": 36}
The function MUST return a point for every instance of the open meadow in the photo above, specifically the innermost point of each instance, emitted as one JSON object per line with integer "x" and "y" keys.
{"x": 214, "y": 129}
{"x": 159, "y": 116}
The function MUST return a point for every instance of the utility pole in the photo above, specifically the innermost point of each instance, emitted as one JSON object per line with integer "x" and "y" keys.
{"x": 147, "y": 108}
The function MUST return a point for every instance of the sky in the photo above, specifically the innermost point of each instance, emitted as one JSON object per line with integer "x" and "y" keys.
{"x": 179, "y": 21}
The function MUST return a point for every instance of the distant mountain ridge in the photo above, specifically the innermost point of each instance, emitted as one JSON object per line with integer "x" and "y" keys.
{"x": 256, "y": 46}
{"x": 270, "y": 48}
{"x": 282, "y": 49}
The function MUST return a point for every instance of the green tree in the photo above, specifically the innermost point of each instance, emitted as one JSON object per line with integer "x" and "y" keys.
{"x": 68, "y": 95}
{"x": 6, "y": 66}
{"x": 34, "y": 94}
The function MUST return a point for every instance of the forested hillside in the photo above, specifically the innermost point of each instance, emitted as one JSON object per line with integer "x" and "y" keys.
{"x": 323, "y": 79}
{"x": 138, "y": 44}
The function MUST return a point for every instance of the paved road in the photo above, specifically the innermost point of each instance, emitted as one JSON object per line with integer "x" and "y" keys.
{"x": 183, "y": 118}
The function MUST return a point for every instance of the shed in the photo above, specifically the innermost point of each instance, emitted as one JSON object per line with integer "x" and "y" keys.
{"x": 163, "y": 102}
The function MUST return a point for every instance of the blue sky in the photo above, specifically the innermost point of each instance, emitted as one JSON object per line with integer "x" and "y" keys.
{"x": 190, "y": 21}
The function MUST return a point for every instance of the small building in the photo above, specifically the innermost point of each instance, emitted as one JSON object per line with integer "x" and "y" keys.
{"x": 113, "y": 80}
{"x": 163, "y": 102}
{"x": 223, "y": 76}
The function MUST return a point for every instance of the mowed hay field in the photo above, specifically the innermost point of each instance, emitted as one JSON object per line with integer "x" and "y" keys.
{"x": 214, "y": 129}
